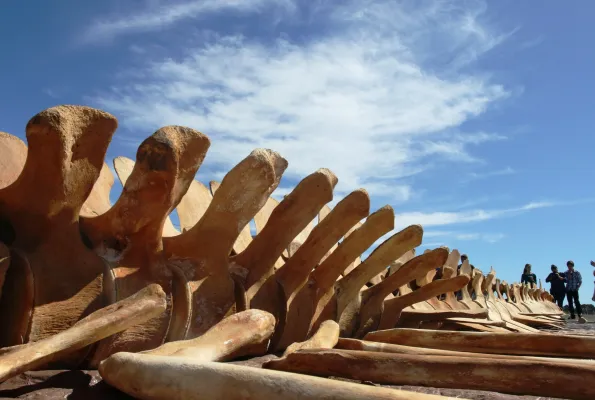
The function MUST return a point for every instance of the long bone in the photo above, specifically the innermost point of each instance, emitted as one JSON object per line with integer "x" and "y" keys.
{"x": 322, "y": 214}
{"x": 254, "y": 268}
{"x": 136, "y": 309}
{"x": 348, "y": 300}
{"x": 478, "y": 284}
{"x": 39, "y": 213}
{"x": 393, "y": 307}
{"x": 431, "y": 310}
{"x": 245, "y": 237}
{"x": 154, "y": 377}
{"x": 317, "y": 298}
{"x": 372, "y": 299}
{"x": 531, "y": 344}
{"x": 200, "y": 256}
{"x": 294, "y": 274}
{"x": 363, "y": 345}
{"x": 225, "y": 341}
{"x": 358, "y": 259}
{"x": 502, "y": 375}
{"x": 515, "y": 311}
{"x": 129, "y": 235}
{"x": 492, "y": 302}
{"x": 475, "y": 323}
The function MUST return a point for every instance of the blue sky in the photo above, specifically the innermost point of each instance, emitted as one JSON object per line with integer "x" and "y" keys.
{"x": 471, "y": 118}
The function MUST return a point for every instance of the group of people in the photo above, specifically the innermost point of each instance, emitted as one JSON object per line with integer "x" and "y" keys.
{"x": 562, "y": 284}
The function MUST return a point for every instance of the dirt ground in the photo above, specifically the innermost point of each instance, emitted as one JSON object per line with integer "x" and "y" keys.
{"x": 87, "y": 385}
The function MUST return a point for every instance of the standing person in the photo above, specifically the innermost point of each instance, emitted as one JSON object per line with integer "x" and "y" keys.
{"x": 557, "y": 288}
{"x": 528, "y": 277}
{"x": 573, "y": 284}
{"x": 593, "y": 265}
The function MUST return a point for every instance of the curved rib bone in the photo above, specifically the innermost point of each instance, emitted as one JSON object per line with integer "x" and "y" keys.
{"x": 201, "y": 254}
{"x": 320, "y": 287}
{"x": 394, "y": 307}
{"x": 347, "y": 289}
{"x": 245, "y": 236}
{"x": 138, "y": 308}
{"x": 372, "y": 299}
{"x": 254, "y": 267}
{"x": 295, "y": 323}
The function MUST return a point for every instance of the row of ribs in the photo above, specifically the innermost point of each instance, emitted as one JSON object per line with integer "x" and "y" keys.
{"x": 88, "y": 284}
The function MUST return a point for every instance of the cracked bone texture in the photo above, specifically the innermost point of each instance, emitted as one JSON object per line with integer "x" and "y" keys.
{"x": 66, "y": 252}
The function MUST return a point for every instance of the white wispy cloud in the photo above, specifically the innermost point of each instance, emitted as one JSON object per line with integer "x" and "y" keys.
{"x": 466, "y": 216}
{"x": 363, "y": 98}
{"x": 463, "y": 236}
{"x": 158, "y": 15}
{"x": 489, "y": 174}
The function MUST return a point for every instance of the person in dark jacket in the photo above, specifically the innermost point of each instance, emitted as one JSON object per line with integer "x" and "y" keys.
{"x": 557, "y": 288}
{"x": 528, "y": 276}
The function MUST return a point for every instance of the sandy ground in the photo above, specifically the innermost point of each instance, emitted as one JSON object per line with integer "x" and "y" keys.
{"x": 87, "y": 385}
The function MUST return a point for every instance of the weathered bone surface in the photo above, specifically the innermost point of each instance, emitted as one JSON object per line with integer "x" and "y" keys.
{"x": 363, "y": 345}
{"x": 325, "y": 338}
{"x": 13, "y": 153}
{"x": 58, "y": 278}
{"x": 212, "y": 292}
{"x": 502, "y": 375}
{"x": 499, "y": 343}
{"x": 138, "y": 308}
{"x": 227, "y": 339}
{"x": 162, "y": 377}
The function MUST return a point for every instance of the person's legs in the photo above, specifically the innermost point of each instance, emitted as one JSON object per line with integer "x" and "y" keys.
{"x": 570, "y": 303}
{"x": 577, "y": 304}
{"x": 559, "y": 297}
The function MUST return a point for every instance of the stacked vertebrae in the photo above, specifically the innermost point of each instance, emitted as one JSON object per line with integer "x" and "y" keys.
{"x": 88, "y": 279}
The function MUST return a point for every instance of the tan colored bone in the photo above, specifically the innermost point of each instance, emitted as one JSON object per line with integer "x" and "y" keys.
{"x": 201, "y": 254}
{"x": 245, "y": 236}
{"x": 357, "y": 260}
{"x": 524, "y": 377}
{"x": 124, "y": 167}
{"x": 255, "y": 267}
{"x": 129, "y": 235}
{"x": 324, "y": 211}
{"x": 98, "y": 201}
{"x": 394, "y": 307}
{"x": 325, "y": 338}
{"x": 13, "y": 153}
{"x": 348, "y": 288}
{"x": 372, "y": 299}
{"x": 363, "y": 345}
{"x": 498, "y": 343}
{"x": 193, "y": 205}
{"x": 226, "y": 340}
{"x": 40, "y": 209}
{"x": 320, "y": 287}
{"x": 293, "y": 275}
{"x": 175, "y": 378}
{"x": 136, "y": 309}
